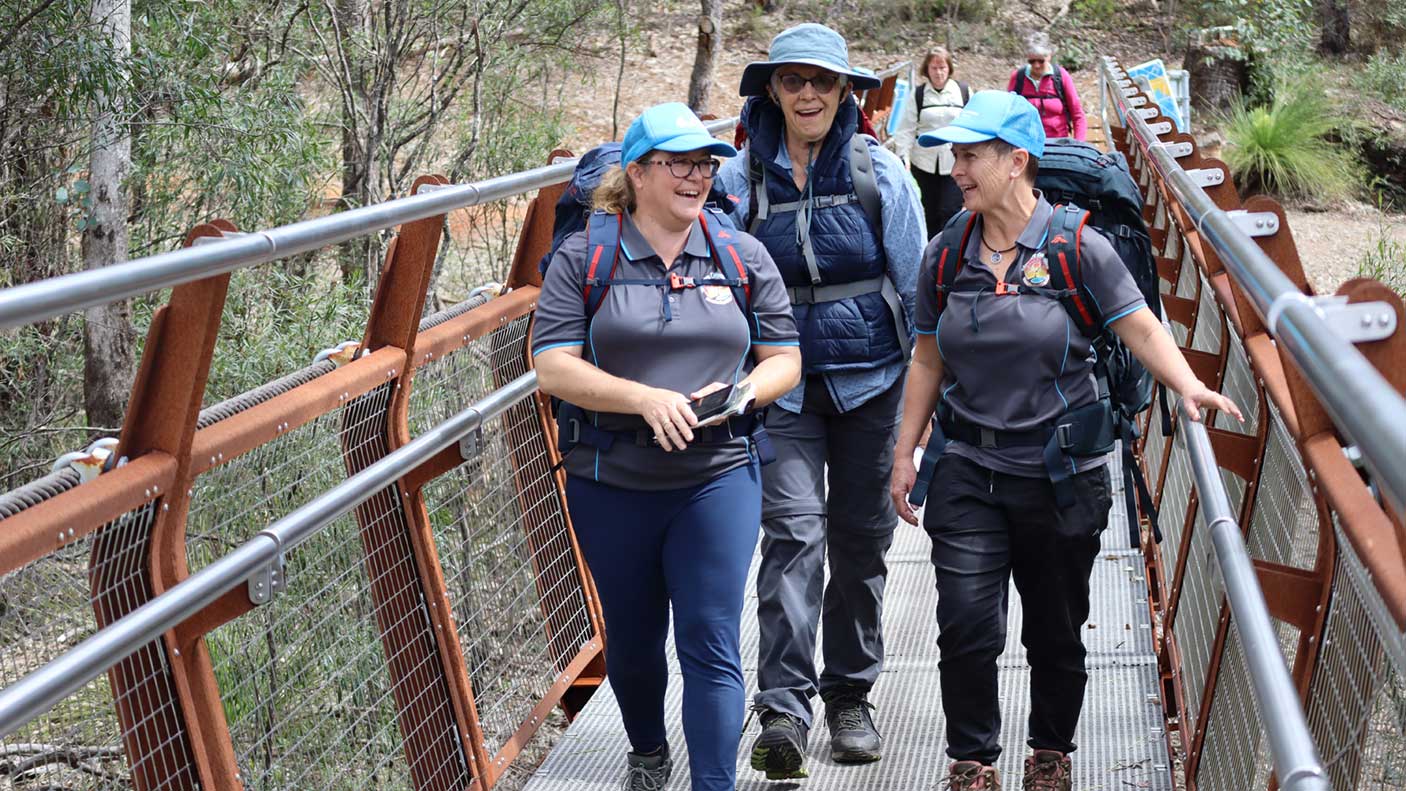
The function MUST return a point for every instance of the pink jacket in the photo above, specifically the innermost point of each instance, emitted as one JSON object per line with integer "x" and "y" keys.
{"x": 1046, "y": 100}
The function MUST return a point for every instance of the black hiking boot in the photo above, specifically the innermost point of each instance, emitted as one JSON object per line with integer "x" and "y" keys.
{"x": 780, "y": 750}
{"x": 648, "y": 772}
{"x": 853, "y": 737}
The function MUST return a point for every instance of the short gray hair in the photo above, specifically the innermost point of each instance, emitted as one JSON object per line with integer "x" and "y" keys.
{"x": 1039, "y": 44}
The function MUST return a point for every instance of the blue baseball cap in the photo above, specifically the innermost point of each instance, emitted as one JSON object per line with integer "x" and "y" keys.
{"x": 992, "y": 115}
{"x": 808, "y": 44}
{"x": 670, "y": 126}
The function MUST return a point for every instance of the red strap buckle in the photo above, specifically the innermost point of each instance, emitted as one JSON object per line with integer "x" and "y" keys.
{"x": 1003, "y": 289}
{"x": 676, "y": 282}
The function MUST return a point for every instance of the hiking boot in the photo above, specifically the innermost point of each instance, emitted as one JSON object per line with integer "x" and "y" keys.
{"x": 780, "y": 750}
{"x": 1047, "y": 770}
{"x": 853, "y": 737}
{"x": 648, "y": 772}
{"x": 971, "y": 776}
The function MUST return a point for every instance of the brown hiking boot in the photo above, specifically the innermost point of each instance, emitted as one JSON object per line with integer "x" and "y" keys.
{"x": 1047, "y": 770}
{"x": 971, "y": 776}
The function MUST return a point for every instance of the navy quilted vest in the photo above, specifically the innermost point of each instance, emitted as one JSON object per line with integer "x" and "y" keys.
{"x": 852, "y": 334}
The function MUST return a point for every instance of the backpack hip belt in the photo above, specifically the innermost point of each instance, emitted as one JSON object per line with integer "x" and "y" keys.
{"x": 1086, "y": 431}
{"x": 574, "y": 428}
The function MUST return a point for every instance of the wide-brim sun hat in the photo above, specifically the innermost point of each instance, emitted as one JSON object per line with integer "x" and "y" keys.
{"x": 670, "y": 126}
{"x": 993, "y": 115}
{"x": 807, "y": 44}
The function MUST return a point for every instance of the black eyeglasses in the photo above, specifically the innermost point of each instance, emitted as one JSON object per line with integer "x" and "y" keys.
{"x": 1036, "y": 61}
{"x": 824, "y": 83}
{"x": 683, "y": 168}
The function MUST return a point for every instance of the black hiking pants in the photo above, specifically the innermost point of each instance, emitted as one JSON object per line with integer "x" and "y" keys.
{"x": 986, "y": 528}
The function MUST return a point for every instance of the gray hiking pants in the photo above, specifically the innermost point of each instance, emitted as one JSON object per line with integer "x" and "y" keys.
{"x": 799, "y": 526}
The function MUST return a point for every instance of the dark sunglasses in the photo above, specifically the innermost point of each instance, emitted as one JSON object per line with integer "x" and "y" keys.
{"x": 1036, "y": 61}
{"x": 683, "y": 168}
{"x": 824, "y": 83}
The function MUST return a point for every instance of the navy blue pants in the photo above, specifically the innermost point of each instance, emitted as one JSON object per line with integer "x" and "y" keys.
{"x": 689, "y": 548}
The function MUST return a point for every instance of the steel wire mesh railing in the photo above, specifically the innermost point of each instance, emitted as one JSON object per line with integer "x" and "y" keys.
{"x": 502, "y": 539}
{"x": 1351, "y": 683}
{"x": 49, "y": 606}
{"x": 1357, "y": 710}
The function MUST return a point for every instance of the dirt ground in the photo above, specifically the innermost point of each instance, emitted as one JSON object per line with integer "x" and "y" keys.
{"x": 1331, "y": 243}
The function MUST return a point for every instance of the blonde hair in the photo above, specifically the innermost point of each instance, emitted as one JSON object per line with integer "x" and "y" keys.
{"x": 939, "y": 52}
{"x": 615, "y": 194}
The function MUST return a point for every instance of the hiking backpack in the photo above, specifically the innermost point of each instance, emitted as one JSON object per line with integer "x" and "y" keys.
{"x": 574, "y": 206}
{"x": 1122, "y": 379}
{"x": 1057, "y": 80}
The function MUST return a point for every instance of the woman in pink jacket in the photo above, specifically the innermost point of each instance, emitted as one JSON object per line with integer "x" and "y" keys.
{"x": 1049, "y": 87}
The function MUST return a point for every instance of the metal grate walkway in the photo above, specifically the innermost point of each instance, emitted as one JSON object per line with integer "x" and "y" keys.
{"x": 1120, "y": 737}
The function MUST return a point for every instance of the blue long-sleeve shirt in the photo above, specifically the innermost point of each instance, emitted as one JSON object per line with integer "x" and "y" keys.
{"x": 905, "y": 236}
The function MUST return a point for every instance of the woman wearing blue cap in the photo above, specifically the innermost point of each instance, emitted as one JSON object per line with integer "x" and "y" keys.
{"x": 843, "y": 221}
{"x": 1011, "y": 298}
{"x": 656, "y": 305}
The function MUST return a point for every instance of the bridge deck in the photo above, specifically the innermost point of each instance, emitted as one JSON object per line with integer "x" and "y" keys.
{"x": 1120, "y": 739}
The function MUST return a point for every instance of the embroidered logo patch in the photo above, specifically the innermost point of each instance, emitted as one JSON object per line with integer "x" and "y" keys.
{"x": 1035, "y": 272}
{"x": 718, "y": 295}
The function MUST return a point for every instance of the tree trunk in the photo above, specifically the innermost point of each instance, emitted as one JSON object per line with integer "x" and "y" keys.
{"x": 705, "y": 62}
{"x": 1336, "y": 27}
{"x": 107, "y": 332}
{"x": 1219, "y": 74}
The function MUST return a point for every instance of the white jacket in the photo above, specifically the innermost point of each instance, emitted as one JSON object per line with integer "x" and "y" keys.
{"x": 938, "y": 110}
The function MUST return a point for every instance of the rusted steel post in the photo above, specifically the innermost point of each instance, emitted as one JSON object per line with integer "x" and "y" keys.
{"x": 173, "y": 725}
{"x": 414, "y": 615}
{"x": 534, "y": 242}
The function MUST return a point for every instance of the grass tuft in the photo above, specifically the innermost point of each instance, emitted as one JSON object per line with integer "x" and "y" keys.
{"x": 1285, "y": 148}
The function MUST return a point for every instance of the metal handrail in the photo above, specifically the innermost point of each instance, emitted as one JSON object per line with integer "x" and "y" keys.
{"x": 1356, "y": 396}
{"x": 45, "y": 299}
{"x": 43, "y": 688}
{"x": 1291, "y": 747}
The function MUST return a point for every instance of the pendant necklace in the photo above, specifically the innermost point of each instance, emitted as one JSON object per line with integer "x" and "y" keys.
{"x": 996, "y": 255}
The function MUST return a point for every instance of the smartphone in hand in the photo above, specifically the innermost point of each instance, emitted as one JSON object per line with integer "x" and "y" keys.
{"x": 719, "y": 405}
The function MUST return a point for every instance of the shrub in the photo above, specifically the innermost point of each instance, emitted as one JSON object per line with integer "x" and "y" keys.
{"x": 1382, "y": 78}
{"x": 1284, "y": 147}
{"x": 1385, "y": 260}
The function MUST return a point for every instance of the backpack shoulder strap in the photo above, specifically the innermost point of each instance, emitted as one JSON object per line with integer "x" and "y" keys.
{"x": 722, "y": 244}
{"x": 758, "y": 208}
{"x": 950, "y": 256}
{"x": 1019, "y": 88}
{"x": 602, "y": 247}
{"x": 918, "y": 101}
{"x": 866, "y": 183}
{"x": 1058, "y": 79}
{"x": 966, "y": 92}
{"x": 1062, "y": 253}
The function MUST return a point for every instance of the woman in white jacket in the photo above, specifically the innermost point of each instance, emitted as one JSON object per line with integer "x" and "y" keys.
{"x": 935, "y": 103}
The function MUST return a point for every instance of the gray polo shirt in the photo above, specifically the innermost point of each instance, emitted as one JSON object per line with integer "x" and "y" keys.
{"x": 1017, "y": 362}
{"x": 705, "y": 339}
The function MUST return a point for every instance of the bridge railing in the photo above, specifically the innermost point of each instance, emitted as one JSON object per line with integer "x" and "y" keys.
{"x": 1329, "y": 553}
{"x": 178, "y": 614}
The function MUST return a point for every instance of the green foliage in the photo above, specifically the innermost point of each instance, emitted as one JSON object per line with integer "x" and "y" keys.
{"x": 1385, "y": 259}
{"x": 1100, "y": 12}
{"x": 1384, "y": 76}
{"x": 1277, "y": 37}
{"x": 1284, "y": 147}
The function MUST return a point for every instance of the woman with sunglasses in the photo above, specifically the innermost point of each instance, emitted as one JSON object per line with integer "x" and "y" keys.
{"x": 1049, "y": 87}
{"x": 844, "y": 224}
{"x": 666, "y": 510}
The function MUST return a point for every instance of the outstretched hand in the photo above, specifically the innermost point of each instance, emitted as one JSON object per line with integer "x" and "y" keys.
{"x": 1201, "y": 397}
